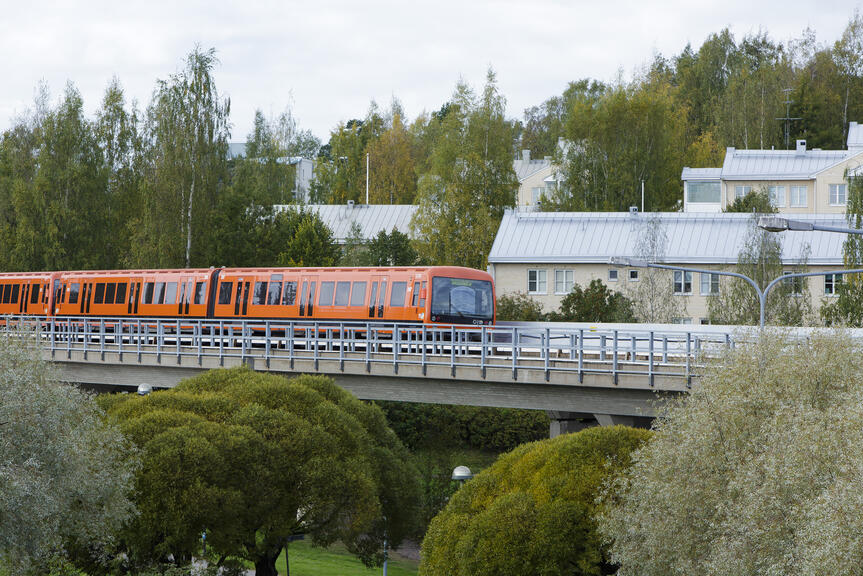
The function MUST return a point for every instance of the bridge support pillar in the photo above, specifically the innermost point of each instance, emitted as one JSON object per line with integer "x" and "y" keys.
{"x": 568, "y": 422}
{"x": 615, "y": 420}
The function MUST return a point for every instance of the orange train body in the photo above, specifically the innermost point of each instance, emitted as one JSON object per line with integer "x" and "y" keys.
{"x": 437, "y": 294}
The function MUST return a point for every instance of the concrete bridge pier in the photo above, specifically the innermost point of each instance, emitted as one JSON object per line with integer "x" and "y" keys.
{"x": 570, "y": 422}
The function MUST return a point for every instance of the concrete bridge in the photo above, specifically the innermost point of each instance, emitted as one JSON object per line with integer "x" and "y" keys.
{"x": 580, "y": 375}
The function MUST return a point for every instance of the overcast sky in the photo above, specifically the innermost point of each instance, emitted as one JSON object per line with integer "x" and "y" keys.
{"x": 329, "y": 59}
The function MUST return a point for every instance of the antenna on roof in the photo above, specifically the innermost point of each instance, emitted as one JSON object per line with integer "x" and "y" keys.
{"x": 788, "y": 118}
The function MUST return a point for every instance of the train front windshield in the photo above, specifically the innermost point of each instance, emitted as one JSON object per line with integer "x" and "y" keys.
{"x": 462, "y": 301}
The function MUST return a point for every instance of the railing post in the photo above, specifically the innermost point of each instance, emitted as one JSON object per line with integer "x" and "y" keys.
{"x": 341, "y": 346}
{"x": 424, "y": 350}
{"x": 514, "y": 343}
{"x": 160, "y": 339}
{"x": 482, "y": 336}
{"x": 452, "y": 351}
{"x": 267, "y": 345}
{"x": 139, "y": 340}
{"x": 121, "y": 326}
{"x": 688, "y": 366}
{"x": 291, "y": 344}
{"x": 614, "y": 355}
{"x": 199, "y": 333}
{"x": 221, "y": 342}
{"x": 396, "y": 344}
{"x": 581, "y": 356}
{"x": 547, "y": 349}
{"x": 102, "y": 339}
{"x": 650, "y": 360}
{"x": 53, "y": 336}
{"x": 316, "y": 346}
{"x": 369, "y": 346}
{"x": 177, "y": 334}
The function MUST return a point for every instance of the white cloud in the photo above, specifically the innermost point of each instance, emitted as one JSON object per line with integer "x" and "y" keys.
{"x": 334, "y": 57}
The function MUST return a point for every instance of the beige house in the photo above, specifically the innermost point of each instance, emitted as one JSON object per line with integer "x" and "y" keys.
{"x": 799, "y": 181}
{"x": 546, "y": 253}
{"x": 537, "y": 178}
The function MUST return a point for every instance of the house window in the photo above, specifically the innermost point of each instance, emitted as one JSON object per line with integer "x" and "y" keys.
{"x": 795, "y": 285}
{"x": 741, "y": 191}
{"x": 536, "y": 282}
{"x": 709, "y": 284}
{"x": 838, "y": 194}
{"x": 633, "y": 275}
{"x": 710, "y": 191}
{"x": 776, "y": 195}
{"x": 704, "y": 321}
{"x": 832, "y": 282}
{"x": 682, "y": 282}
{"x": 536, "y": 195}
{"x": 612, "y": 275}
{"x": 798, "y": 196}
{"x": 563, "y": 281}
{"x": 681, "y": 320}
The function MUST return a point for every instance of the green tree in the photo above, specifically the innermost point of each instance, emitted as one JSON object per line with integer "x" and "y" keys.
{"x": 185, "y": 165}
{"x": 652, "y": 296}
{"x": 760, "y": 259}
{"x": 253, "y": 458}
{"x": 847, "y": 309}
{"x": 393, "y": 249}
{"x": 65, "y": 475}
{"x": 518, "y": 306}
{"x": 355, "y": 251}
{"x": 595, "y": 303}
{"x": 392, "y": 173}
{"x": 532, "y": 512}
{"x": 769, "y": 450}
{"x": 470, "y": 180}
{"x": 754, "y": 201}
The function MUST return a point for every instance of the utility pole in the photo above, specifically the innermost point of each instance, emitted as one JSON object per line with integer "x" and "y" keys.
{"x": 367, "y": 178}
{"x": 788, "y": 118}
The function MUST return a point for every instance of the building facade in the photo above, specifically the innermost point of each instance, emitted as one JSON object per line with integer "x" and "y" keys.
{"x": 799, "y": 181}
{"x": 546, "y": 253}
{"x": 537, "y": 178}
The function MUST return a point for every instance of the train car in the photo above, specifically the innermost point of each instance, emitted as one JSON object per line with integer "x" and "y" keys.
{"x": 437, "y": 294}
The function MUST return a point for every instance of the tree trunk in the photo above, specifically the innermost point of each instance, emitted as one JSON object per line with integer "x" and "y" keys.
{"x": 266, "y": 565}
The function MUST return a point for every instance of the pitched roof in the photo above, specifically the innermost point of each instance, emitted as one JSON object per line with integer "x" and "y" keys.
{"x": 693, "y": 238}
{"x": 371, "y": 218}
{"x": 779, "y": 164}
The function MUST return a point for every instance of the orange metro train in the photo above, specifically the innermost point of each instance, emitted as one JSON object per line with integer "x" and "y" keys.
{"x": 432, "y": 295}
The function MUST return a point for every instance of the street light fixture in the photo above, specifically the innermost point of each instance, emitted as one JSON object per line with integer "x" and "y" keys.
{"x": 780, "y": 224}
{"x": 762, "y": 294}
{"x": 461, "y": 473}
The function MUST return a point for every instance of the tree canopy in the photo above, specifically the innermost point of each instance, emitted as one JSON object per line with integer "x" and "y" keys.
{"x": 253, "y": 458}
{"x": 65, "y": 475}
{"x": 755, "y": 471}
{"x": 532, "y": 512}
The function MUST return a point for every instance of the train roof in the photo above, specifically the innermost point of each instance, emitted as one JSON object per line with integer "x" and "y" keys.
{"x": 246, "y": 270}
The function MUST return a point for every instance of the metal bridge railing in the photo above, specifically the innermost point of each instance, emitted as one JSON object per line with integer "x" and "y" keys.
{"x": 518, "y": 350}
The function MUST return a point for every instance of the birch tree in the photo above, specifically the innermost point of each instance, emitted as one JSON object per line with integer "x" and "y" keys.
{"x": 653, "y": 298}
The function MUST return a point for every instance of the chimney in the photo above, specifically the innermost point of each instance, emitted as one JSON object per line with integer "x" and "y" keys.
{"x": 350, "y": 204}
{"x": 525, "y": 156}
{"x": 801, "y": 147}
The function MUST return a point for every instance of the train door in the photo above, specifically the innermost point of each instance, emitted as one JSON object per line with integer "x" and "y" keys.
{"x": 377, "y": 296}
{"x": 241, "y": 300}
{"x": 307, "y": 296}
{"x": 134, "y": 296}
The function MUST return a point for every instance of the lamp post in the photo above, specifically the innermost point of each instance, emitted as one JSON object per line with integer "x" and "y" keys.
{"x": 762, "y": 294}
{"x": 780, "y": 224}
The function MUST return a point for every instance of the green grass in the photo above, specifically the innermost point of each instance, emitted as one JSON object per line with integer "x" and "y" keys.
{"x": 307, "y": 560}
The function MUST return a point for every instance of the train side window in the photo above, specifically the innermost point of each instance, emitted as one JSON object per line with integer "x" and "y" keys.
{"x": 15, "y": 288}
{"x": 200, "y": 291}
{"x": 416, "y": 296}
{"x": 34, "y": 295}
{"x": 148, "y": 293}
{"x": 159, "y": 294}
{"x": 422, "y": 298}
{"x": 259, "y": 296}
{"x": 188, "y": 297}
{"x": 290, "y": 295}
{"x": 275, "y": 291}
{"x": 326, "y": 298}
{"x": 225, "y": 289}
{"x": 372, "y": 299}
{"x": 397, "y": 294}
{"x": 100, "y": 293}
{"x": 171, "y": 293}
{"x": 121, "y": 293}
{"x": 110, "y": 292}
{"x": 358, "y": 294}
{"x": 7, "y": 292}
{"x": 74, "y": 290}
{"x": 343, "y": 293}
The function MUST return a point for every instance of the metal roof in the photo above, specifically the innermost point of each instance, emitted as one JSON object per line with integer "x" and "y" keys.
{"x": 693, "y": 238}
{"x": 700, "y": 173}
{"x": 779, "y": 164}
{"x": 372, "y": 218}
{"x": 524, "y": 169}
{"x": 855, "y": 136}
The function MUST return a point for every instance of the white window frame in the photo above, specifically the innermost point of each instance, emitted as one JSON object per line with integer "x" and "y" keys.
{"x": 798, "y": 283}
{"x": 837, "y": 194}
{"x": 633, "y": 275}
{"x": 681, "y": 279}
{"x": 776, "y": 195}
{"x": 832, "y": 283}
{"x": 613, "y": 275}
{"x": 741, "y": 191}
{"x": 564, "y": 278}
{"x": 540, "y": 281}
{"x": 798, "y": 201}
{"x": 537, "y": 194}
{"x": 711, "y": 281}
{"x": 681, "y": 320}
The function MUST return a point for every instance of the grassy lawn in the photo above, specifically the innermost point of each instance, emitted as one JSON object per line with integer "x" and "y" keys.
{"x": 306, "y": 560}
